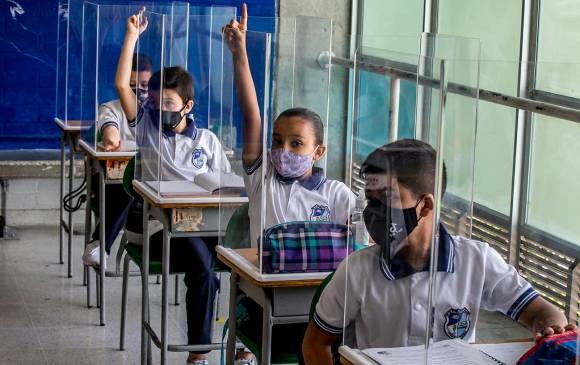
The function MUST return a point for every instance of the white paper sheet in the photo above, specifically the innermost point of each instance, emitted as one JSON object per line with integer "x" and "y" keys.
{"x": 440, "y": 353}
{"x": 508, "y": 353}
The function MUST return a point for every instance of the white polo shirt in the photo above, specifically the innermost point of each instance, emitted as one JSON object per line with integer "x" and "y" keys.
{"x": 111, "y": 113}
{"x": 183, "y": 156}
{"x": 392, "y": 312}
{"x": 287, "y": 200}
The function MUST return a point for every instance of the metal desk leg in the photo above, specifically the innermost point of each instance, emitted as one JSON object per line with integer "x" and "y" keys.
{"x": 145, "y": 285}
{"x": 62, "y": 163}
{"x": 71, "y": 177}
{"x": 266, "y": 329}
{"x": 102, "y": 241}
{"x": 88, "y": 225}
{"x": 231, "y": 347}
{"x": 164, "y": 287}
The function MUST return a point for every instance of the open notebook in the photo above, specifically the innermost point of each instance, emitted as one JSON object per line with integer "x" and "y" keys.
{"x": 451, "y": 352}
{"x": 203, "y": 184}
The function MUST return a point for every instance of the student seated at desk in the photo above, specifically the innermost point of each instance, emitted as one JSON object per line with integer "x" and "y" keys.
{"x": 185, "y": 151}
{"x": 386, "y": 283}
{"x": 115, "y": 130}
{"x": 294, "y": 189}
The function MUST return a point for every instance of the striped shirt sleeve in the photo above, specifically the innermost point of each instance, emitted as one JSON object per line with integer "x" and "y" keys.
{"x": 330, "y": 310}
{"x": 504, "y": 289}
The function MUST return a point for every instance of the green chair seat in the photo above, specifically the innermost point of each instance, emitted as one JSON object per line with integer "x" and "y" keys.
{"x": 136, "y": 253}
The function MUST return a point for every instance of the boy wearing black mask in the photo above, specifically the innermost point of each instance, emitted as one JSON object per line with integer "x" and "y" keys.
{"x": 386, "y": 285}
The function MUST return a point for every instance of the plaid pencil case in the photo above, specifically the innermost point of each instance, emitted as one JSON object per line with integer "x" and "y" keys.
{"x": 305, "y": 246}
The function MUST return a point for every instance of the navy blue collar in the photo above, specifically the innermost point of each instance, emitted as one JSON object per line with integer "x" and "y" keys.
{"x": 313, "y": 182}
{"x": 397, "y": 268}
{"x": 190, "y": 130}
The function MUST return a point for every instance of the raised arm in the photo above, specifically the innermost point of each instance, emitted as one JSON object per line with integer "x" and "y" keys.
{"x": 235, "y": 36}
{"x": 136, "y": 24}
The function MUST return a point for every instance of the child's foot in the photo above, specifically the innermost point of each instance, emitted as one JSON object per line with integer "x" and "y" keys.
{"x": 91, "y": 256}
{"x": 196, "y": 359}
{"x": 245, "y": 358}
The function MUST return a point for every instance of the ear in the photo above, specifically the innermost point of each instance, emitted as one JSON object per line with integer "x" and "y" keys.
{"x": 188, "y": 106}
{"x": 427, "y": 205}
{"x": 320, "y": 151}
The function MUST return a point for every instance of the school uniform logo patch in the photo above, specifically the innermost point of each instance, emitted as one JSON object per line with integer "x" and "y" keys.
{"x": 198, "y": 158}
{"x": 457, "y": 322}
{"x": 320, "y": 213}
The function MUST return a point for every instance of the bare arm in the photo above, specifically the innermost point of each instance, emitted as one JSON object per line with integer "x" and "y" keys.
{"x": 317, "y": 346}
{"x": 235, "y": 35}
{"x": 544, "y": 319}
{"x": 136, "y": 24}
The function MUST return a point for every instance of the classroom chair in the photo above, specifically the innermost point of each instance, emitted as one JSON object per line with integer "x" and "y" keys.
{"x": 133, "y": 250}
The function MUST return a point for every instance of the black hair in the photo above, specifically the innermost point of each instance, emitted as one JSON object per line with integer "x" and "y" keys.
{"x": 311, "y": 117}
{"x": 174, "y": 78}
{"x": 413, "y": 162}
{"x": 141, "y": 63}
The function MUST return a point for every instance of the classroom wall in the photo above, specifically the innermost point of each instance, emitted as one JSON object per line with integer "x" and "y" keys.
{"x": 28, "y": 33}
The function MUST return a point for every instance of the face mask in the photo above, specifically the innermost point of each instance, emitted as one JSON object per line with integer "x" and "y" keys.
{"x": 389, "y": 226}
{"x": 141, "y": 95}
{"x": 169, "y": 120}
{"x": 291, "y": 165}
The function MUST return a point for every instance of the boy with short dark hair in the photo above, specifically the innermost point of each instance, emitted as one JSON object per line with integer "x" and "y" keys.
{"x": 387, "y": 284}
{"x": 185, "y": 151}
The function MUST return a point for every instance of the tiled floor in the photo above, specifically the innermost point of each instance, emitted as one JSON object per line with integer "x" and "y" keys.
{"x": 44, "y": 318}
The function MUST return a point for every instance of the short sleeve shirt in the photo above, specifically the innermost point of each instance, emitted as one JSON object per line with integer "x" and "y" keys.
{"x": 392, "y": 312}
{"x": 287, "y": 200}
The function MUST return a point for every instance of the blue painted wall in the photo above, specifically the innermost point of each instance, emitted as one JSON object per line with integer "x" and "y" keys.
{"x": 28, "y": 49}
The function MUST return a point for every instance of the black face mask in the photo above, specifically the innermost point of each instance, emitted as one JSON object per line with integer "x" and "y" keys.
{"x": 169, "y": 120}
{"x": 388, "y": 225}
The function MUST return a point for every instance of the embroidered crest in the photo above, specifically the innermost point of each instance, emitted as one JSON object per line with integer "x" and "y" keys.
{"x": 198, "y": 158}
{"x": 320, "y": 213}
{"x": 457, "y": 322}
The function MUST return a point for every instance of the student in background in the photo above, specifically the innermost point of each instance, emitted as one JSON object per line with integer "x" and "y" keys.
{"x": 116, "y": 132}
{"x": 294, "y": 189}
{"x": 386, "y": 283}
{"x": 185, "y": 151}
{"x": 112, "y": 121}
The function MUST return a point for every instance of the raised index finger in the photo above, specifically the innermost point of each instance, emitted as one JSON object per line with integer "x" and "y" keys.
{"x": 244, "y": 20}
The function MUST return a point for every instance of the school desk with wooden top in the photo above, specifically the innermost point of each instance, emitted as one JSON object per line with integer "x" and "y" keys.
{"x": 284, "y": 298}
{"x": 99, "y": 160}
{"x": 216, "y": 212}
{"x": 69, "y": 135}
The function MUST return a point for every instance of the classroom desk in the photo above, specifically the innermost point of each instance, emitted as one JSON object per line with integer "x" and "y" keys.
{"x": 350, "y": 356}
{"x": 161, "y": 208}
{"x": 284, "y": 298}
{"x": 95, "y": 159}
{"x": 69, "y": 135}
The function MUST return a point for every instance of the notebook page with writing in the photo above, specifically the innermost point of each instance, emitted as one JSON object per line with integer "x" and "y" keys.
{"x": 440, "y": 353}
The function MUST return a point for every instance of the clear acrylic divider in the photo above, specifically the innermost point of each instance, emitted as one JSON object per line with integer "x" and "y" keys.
{"x": 243, "y": 229}
{"x": 395, "y": 291}
{"x": 383, "y": 287}
{"x": 89, "y": 73}
{"x": 148, "y": 129}
{"x": 69, "y": 85}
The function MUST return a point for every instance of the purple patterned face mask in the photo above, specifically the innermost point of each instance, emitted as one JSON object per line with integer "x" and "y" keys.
{"x": 290, "y": 164}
